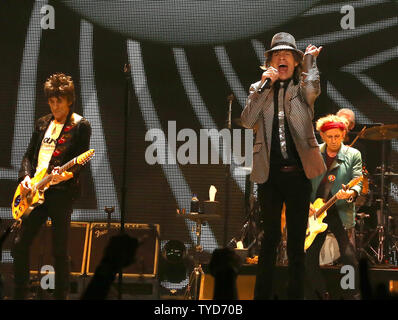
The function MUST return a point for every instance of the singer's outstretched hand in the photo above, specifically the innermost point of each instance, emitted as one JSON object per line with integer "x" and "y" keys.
{"x": 313, "y": 50}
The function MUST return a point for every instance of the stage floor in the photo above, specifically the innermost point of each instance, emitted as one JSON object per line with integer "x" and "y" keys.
{"x": 386, "y": 275}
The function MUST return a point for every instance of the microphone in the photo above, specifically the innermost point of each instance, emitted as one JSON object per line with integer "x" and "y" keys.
{"x": 265, "y": 85}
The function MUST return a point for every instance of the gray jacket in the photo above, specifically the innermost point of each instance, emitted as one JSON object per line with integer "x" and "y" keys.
{"x": 299, "y": 112}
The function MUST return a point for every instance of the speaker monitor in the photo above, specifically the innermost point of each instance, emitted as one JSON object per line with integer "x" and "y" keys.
{"x": 146, "y": 263}
{"x": 41, "y": 252}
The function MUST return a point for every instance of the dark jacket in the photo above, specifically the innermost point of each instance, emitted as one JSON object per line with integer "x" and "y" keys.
{"x": 73, "y": 140}
{"x": 347, "y": 166}
{"x": 299, "y": 111}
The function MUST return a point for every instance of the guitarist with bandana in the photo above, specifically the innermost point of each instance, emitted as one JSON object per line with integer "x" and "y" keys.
{"x": 343, "y": 164}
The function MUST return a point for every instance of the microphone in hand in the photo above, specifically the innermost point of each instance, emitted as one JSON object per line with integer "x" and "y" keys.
{"x": 270, "y": 75}
{"x": 265, "y": 85}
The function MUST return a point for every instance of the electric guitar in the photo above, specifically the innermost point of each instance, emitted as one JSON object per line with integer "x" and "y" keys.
{"x": 22, "y": 206}
{"x": 315, "y": 224}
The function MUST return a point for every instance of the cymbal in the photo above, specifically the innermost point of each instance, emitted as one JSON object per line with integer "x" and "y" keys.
{"x": 386, "y": 132}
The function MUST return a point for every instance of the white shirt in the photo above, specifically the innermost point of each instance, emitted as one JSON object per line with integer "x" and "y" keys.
{"x": 48, "y": 145}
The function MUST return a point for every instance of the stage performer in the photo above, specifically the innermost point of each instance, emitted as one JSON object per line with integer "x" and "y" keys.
{"x": 349, "y": 115}
{"x": 343, "y": 164}
{"x": 58, "y": 137}
{"x": 285, "y": 155}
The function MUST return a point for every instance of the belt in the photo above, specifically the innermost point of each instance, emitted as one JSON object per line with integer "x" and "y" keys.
{"x": 290, "y": 169}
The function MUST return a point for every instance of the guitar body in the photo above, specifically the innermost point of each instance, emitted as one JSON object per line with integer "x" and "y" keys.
{"x": 315, "y": 224}
{"x": 22, "y": 206}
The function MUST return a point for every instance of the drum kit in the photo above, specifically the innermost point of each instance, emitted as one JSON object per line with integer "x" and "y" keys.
{"x": 378, "y": 244}
{"x": 381, "y": 245}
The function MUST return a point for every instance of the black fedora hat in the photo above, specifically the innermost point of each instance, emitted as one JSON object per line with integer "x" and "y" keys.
{"x": 282, "y": 41}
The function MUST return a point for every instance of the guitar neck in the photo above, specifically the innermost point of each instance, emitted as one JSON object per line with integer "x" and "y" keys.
{"x": 48, "y": 178}
{"x": 333, "y": 199}
{"x": 326, "y": 206}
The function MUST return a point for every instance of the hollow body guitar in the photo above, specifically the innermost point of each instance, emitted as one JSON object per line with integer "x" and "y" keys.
{"x": 22, "y": 206}
{"x": 315, "y": 222}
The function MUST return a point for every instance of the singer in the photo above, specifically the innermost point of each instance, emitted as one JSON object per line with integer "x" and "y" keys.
{"x": 285, "y": 154}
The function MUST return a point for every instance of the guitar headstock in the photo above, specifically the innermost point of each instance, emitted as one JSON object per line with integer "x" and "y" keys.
{"x": 85, "y": 157}
{"x": 354, "y": 182}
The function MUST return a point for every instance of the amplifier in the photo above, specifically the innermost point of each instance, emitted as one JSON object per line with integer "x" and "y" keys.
{"x": 41, "y": 252}
{"x": 146, "y": 262}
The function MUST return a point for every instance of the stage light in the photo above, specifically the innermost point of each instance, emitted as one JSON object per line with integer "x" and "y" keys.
{"x": 172, "y": 264}
{"x": 174, "y": 251}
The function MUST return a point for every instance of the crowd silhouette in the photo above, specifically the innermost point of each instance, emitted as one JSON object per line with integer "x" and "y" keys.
{"x": 224, "y": 266}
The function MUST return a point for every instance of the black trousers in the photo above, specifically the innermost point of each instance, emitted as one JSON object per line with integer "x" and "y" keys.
{"x": 314, "y": 277}
{"x": 294, "y": 189}
{"x": 57, "y": 206}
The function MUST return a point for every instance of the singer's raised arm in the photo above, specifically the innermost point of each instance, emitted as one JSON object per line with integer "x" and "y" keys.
{"x": 310, "y": 81}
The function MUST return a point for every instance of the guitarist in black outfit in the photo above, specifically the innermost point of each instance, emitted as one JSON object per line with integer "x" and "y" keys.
{"x": 343, "y": 164}
{"x": 58, "y": 137}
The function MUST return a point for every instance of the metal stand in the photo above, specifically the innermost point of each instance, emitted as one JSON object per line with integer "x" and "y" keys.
{"x": 360, "y": 248}
{"x": 249, "y": 233}
{"x": 393, "y": 251}
{"x": 109, "y": 211}
{"x": 380, "y": 229}
{"x": 192, "y": 291}
{"x": 127, "y": 90}
{"x": 392, "y": 243}
{"x": 194, "y": 278}
{"x": 228, "y": 173}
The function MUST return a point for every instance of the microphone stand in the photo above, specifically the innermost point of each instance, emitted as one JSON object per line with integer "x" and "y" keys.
{"x": 127, "y": 75}
{"x": 228, "y": 172}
